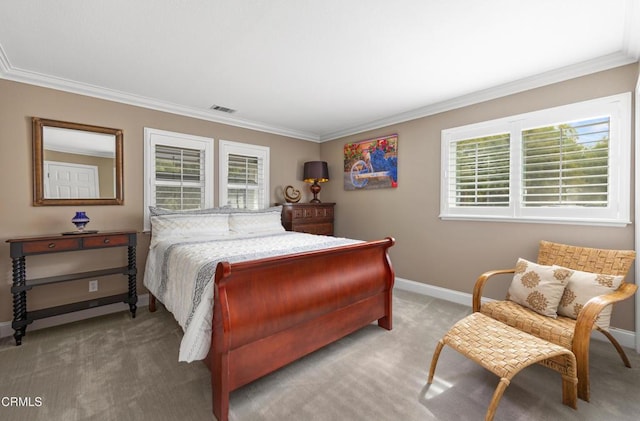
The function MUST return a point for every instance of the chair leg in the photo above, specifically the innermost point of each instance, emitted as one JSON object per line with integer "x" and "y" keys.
{"x": 615, "y": 343}
{"x": 582, "y": 360}
{"x": 569, "y": 391}
{"x": 582, "y": 366}
{"x": 434, "y": 360}
{"x": 495, "y": 400}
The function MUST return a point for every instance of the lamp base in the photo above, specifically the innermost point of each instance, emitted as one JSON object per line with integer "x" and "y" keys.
{"x": 315, "y": 189}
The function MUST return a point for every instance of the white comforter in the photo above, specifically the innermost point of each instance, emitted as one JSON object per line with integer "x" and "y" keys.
{"x": 180, "y": 274}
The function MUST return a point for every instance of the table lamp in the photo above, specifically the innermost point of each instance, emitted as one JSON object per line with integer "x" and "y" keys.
{"x": 315, "y": 172}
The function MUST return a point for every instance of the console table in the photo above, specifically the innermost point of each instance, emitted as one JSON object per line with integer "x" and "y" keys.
{"x": 22, "y": 247}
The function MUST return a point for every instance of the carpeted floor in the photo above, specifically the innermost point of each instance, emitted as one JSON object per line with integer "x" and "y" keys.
{"x": 115, "y": 368}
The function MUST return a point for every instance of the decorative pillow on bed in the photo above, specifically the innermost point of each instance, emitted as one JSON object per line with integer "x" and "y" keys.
{"x": 155, "y": 211}
{"x": 538, "y": 287}
{"x": 582, "y": 287}
{"x": 267, "y": 221}
{"x": 188, "y": 226}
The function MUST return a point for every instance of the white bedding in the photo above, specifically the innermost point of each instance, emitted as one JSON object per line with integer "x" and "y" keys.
{"x": 179, "y": 272}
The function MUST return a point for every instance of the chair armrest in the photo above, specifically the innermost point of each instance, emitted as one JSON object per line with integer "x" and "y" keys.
{"x": 593, "y": 307}
{"x": 482, "y": 279}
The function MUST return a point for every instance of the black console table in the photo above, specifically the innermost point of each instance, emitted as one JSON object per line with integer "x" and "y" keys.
{"x": 22, "y": 247}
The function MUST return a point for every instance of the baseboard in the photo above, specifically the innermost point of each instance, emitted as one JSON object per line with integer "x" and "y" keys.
{"x": 6, "y": 330}
{"x": 436, "y": 292}
{"x": 626, "y": 338}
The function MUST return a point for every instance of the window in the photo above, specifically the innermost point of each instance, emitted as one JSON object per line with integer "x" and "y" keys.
{"x": 482, "y": 171}
{"x": 567, "y": 164}
{"x": 179, "y": 171}
{"x": 244, "y": 175}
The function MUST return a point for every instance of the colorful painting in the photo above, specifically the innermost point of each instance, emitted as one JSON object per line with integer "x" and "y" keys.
{"x": 371, "y": 164}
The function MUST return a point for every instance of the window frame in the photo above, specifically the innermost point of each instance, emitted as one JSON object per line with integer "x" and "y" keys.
{"x": 226, "y": 148}
{"x": 155, "y": 137}
{"x": 616, "y": 213}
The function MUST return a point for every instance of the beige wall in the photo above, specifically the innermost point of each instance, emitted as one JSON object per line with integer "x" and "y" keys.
{"x": 19, "y": 218}
{"x": 451, "y": 254}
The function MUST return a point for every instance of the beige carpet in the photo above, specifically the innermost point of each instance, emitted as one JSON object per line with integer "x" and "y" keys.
{"x": 115, "y": 368}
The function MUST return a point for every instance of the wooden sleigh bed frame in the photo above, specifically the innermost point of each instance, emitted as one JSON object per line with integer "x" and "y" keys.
{"x": 270, "y": 312}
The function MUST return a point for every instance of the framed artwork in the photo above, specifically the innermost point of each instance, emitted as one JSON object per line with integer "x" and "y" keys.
{"x": 371, "y": 164}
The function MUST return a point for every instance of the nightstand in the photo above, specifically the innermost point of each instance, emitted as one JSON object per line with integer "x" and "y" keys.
{"x": 312, "y": 218}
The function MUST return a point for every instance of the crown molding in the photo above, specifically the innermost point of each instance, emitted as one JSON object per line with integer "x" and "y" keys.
{"x": 4, "y": 62}
{"x": 33, "y": 78}
{"x": 630, "y": 54}
{"x": 554, "y": 76}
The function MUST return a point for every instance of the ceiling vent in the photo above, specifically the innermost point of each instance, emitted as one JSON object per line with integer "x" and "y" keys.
{"x": 222, "y": 109}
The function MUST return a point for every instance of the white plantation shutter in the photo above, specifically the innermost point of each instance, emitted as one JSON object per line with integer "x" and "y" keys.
{"x": 481, "y": 167}
{"x": 245, "y": 181}
{"x": 178, "y": 170}
{"x": 567, "y": 164}
{"x": 179, "y": 178}
{"x": 244, "y": 175}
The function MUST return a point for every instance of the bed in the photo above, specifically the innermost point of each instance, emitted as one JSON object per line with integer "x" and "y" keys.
{"x": 252, "y": 298}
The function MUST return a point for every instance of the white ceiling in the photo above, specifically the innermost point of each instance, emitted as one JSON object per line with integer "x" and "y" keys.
{"x": 314, "y": 70}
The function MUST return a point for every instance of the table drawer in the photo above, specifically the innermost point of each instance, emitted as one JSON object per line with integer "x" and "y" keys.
{"x": 312, "y": 213}
{"x": 51, "y": 246}
{"x": 324, "y": 212}
{"x": 100, "y": 241}
{"x": 303, "y": 213}
{"x": 319, "y": 229}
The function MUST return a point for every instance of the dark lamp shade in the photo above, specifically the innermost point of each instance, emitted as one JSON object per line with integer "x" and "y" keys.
{"x": 316, "y": 171}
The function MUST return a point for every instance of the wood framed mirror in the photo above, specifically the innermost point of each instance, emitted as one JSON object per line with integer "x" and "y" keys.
{"x": 76, "y": 164}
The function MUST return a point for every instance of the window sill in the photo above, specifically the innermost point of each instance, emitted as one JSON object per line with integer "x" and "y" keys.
{"x": 563, "y": 221}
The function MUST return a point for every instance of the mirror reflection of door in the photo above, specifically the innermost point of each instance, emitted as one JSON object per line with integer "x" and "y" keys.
{"x": 63, "y": 180}
{"x": 75, "y": 152}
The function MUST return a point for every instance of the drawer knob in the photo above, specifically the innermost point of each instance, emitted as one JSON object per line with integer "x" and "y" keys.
{"x": 51, "y": 245}
{"x": 106, "y": 241}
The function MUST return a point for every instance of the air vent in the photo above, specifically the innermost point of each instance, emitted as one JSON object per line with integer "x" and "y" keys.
{"x": 222, "y": 109}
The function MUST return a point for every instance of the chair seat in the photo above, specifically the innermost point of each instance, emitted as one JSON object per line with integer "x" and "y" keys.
{"x": 558, "y": 331}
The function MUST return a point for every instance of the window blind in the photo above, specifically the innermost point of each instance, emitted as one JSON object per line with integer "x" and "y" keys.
{"x": 481, "y": 168}
{"x": 245, "y": 181}
{"x": 567, "y": 164}
{"x": 179, "y": 178}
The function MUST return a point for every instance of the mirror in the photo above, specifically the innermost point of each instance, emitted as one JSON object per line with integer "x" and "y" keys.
{"x": 76, "y": 164}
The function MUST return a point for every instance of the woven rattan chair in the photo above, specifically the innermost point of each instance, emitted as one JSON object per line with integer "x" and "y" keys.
{"x": 572, "y": 334}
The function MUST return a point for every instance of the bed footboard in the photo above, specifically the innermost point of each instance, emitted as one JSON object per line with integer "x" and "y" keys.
{"x": 270, "y": 312}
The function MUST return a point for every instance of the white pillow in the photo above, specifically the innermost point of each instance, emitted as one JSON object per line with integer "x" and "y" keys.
{"x": 538, "y": 287}
{"x": 582, "y": 287}
{"x": 178, "y": 226}
{"x": 156, "y": 211}
{"x": 258, "y": 222}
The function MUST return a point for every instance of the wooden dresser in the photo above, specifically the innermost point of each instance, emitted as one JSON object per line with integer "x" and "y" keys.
{"x": 20, "y": 248}
{"x": 313, "y": 218}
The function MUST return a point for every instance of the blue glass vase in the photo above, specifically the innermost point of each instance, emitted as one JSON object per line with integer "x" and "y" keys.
{"x": 80, "y": 220}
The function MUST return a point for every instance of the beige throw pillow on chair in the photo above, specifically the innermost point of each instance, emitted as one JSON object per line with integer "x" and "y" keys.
{"x": 538, "y": 287}
{"x": 582, "y": 287}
